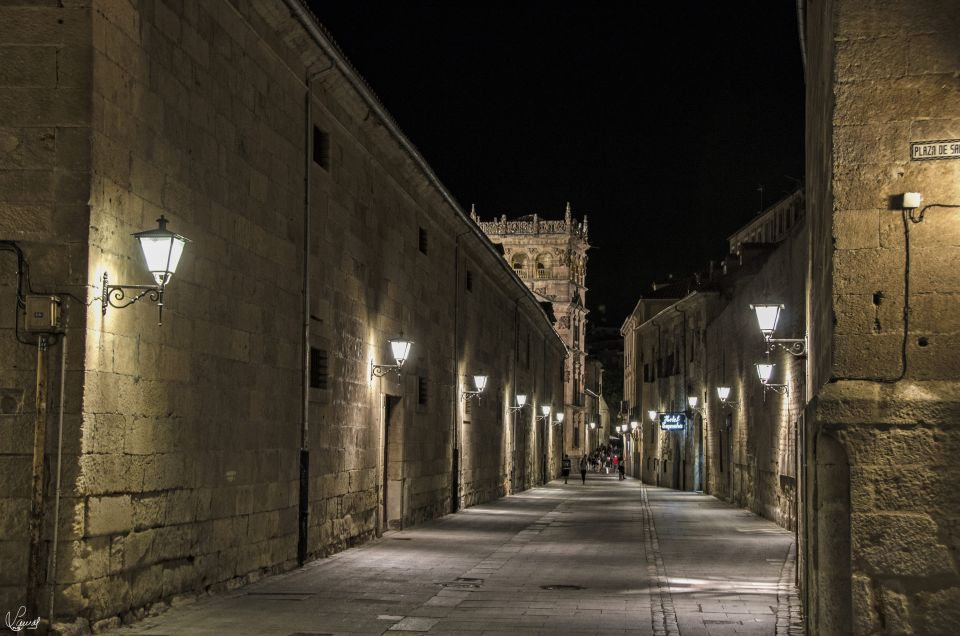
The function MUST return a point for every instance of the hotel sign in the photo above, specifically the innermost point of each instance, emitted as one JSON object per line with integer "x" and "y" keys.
{"x": 673, "y": 421}
{"x": 939, "y": 149}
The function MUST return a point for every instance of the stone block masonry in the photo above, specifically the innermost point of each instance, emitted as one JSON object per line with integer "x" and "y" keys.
{"x": 883, "y": 422}
{"x": 184, "y": 441}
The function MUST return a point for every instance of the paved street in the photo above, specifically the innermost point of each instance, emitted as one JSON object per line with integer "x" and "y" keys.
{"x": 606, "y": 558}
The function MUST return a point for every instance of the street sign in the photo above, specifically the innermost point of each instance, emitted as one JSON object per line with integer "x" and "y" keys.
{"x": 938, "y": 149}
{"x": 673, "y": 421}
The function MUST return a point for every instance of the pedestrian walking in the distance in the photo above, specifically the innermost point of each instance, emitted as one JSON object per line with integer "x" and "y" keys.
{"x": 583, "y": 468}
{"x": 565, "y": 468}
{"x": 620, "y": 468}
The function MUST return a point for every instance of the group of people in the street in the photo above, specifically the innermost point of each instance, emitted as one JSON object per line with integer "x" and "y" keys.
{"x": 602, "y": 458}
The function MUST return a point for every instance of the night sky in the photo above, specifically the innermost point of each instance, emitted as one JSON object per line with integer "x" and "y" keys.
{"x": 658, "y": 120}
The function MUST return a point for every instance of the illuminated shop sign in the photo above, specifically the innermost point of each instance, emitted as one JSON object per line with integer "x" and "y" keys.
{"x": 673, "y": 421}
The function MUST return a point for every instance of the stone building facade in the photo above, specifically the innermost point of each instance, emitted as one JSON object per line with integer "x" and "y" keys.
{"x": 247, "y": 433}
{"x": 744, "y": 449}
{"x": 881, "y": 547}
{"x": 551, "y": 257}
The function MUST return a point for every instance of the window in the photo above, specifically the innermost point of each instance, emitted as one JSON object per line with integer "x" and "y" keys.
{"x": 422, "y": 243}
{"x": 318, "y": 368}
{"x": 469, "y": 280}
{"x": 519, "y": 264}
{"x": 422, "y": 392}
{"x": 544, "y": 266}
{"x": 321, "y": 148}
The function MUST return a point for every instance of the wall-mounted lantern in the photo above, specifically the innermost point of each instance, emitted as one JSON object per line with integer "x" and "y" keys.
{"x": 767, "y": 317}
{"x": 634, "y": 424}
{"x": 692, "y": 402}
{"x": 559, "y": 418}
{"x": 652, "y": 415}
{"x": 480, "y": 381}
{"x": 162, "y": 250}
{"x": 545, "y": 409}
{"x": 765, "y": 372}
{"x": 593, "y": 425}
{"x": 400, "y": 348}
{"x": 723, "y": 392}
{"x": 521, "y": 402}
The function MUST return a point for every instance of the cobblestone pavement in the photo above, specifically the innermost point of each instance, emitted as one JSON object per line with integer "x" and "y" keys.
{"x": 610, "y": 557}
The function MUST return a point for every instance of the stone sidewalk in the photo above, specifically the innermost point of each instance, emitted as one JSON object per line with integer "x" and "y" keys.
{"x": 609, "y": 557}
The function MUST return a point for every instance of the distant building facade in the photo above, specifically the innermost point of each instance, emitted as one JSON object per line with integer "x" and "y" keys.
{"x": 551, "y": 258}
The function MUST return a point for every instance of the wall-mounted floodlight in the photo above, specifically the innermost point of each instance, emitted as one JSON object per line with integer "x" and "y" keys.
{"x": 400, "y": 348}
{"x": 162, "y": 250}
{"x": 765, "y": 372}
{"x": 768, "y": 315}
{"x": 480, "y": 381}
{"x": 545, "y": 409}
{"x": 521, "y": 402}
{"x": 723, "y": 392}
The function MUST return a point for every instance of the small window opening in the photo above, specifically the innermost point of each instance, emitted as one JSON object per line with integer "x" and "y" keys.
{"x": 422, "y": 393}
{"x": 321, "y": 148}
{"x": 422, "y": 243}
{"x": 318, "y": 368}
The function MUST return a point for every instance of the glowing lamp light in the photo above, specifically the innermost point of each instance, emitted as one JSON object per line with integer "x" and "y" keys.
{"x": 652, "y": 415}
{"x": 559, "y": 418}
{"x": 521, "y": 400}
{"x": 400, "y": 348}
{"x": 162, "y": 250}
{"x": 481, "y": 382}
{"x": 692, "y": 401}
{"x": 764, "y": 371}
{"x": 767, "y": 318}
{"x": 623, "y": 427}
{"x": 723, "y": 392}
{"x": 634, "y": 424}
{"x": 545, "y": 409}
{"x": 593, "y": 425}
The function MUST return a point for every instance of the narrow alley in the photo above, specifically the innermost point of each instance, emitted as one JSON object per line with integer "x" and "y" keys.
{"x": 608, "y": 557}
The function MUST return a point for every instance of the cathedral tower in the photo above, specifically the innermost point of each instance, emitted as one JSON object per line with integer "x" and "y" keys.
{"x": 551, "y": 258}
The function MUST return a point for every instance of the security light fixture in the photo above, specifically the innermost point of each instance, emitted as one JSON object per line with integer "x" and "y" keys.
{"x": 765, "y": 372}
{"x": 521, "y": 402}
{"x": 723, "y": 392}
{"x": 162, "y": 250}
{"x": 400, "y": 347}
{"x": 480, "y": 381}
{"x": 768, "y": 315}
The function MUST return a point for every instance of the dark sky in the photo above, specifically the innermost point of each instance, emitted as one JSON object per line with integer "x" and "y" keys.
{"x": 659, "y": 120}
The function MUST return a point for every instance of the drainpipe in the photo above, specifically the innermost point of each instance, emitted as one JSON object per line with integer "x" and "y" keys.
{"x": 303, "y": 515}
{"x": 56, "y": 501}
{"x": 35, "y": 564}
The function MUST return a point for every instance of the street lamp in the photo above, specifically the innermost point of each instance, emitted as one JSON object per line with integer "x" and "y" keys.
{"x": 480, "y": 381}
{"x": 545, "y": 409}
{"x": 559, "y": 418}
{"x": 723, "y": 392}
{"x": 521, "y": 402}
{"x": 400, "y": 348}
{"x": 162, "y": 250}
{"x": 652, "y": 415}
{"x": 768, "y": 315}
{"x": 765, "y": 372}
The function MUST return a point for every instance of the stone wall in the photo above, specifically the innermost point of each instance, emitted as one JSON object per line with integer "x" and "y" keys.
{"x": 881, "y": 551}
{"x": 183, "y": 468}
{"x": 45, "y": 78}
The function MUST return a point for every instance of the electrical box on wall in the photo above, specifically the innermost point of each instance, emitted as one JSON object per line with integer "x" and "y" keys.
{"x": 42, "y": 314}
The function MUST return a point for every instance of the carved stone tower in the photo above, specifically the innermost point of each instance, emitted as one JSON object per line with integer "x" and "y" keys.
{"x": 551, "y": 258}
